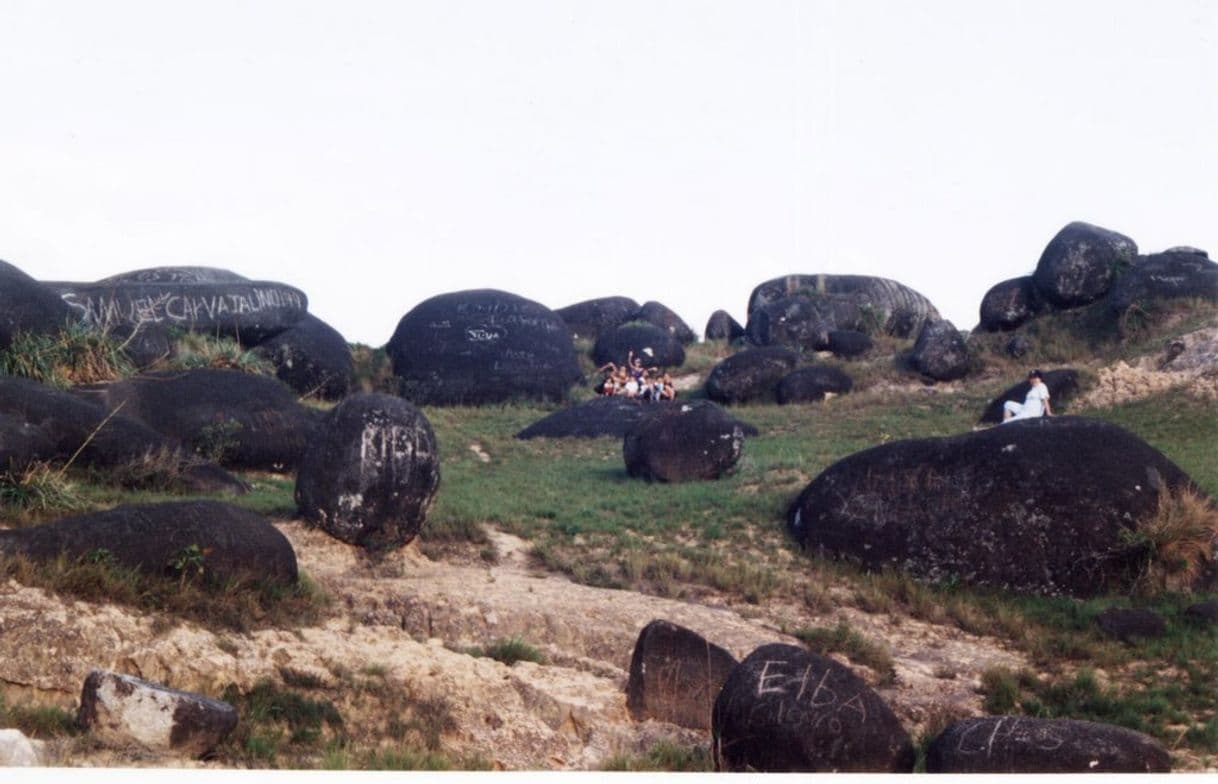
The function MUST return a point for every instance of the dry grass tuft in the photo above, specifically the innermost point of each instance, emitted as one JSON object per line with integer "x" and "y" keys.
{"x": 1179, "y": 542}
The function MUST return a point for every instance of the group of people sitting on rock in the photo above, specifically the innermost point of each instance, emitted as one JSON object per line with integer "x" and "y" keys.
{"x": 632, "y": 380}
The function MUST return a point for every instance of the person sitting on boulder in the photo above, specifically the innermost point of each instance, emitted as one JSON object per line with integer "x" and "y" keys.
{"x": 1035, "y": 404}
{"x": 608, "y": 385}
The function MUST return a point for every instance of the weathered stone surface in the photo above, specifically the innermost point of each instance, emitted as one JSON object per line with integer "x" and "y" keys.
{"x": 675, "y": 675}
{"x": 144, "y": 344}
{"x": 1062, "y": 384}
{"x": 232, "y": 543}
{"x": 1128, "y": 623}
{"x": 848, "y": 343}
{"x": 662, "y": 316}
{"x": 372, "y": 472}
{"x": 18, "y": 751}
{"x": 683, "y": 441}
{"x": 249, "y": 311}
{"x": 482, "y": 346}
{"x": 28, "y": 306}
{"x": 1039, "y": 505}
{"x": 238, "y": 419}
{"x": 312, "y": 358}
{"x": 603, "y": 416}
{"x": 102, "y": 438}
{"x": 1009, "y": 304}
{"x": 751, "y": 374}
{"x": 879, "y": 304}
{"x": 810, "y": 384}
{"x": 121, "y": 711}
{"x": 799, "y": 322}
{"x": 1080, "y": 263}
{"x": 784, "y": 709}
{"x": 721, "y": 326}
{"x": 1167, "y": 275}
{"x": 588, "y": 319}
{"x": 655, "y": 347}
{"x": 940, "y": 352}
{"x": 22, "y": 443}
{"x": 1018, "y": 744}
{"x": 184, "y": 274}
{"x": 1017, "y": 346}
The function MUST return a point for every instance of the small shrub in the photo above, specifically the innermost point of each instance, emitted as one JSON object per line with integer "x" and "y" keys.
{"x": 272, "y": 717}
{"x": 1001, "y": 689}
{"x": 197, "y": 350}
{"x": 42, "y": 722}
{"x": 509, "y": 651}
{"x": 77, "y": 354}
{"x": 217, "y": 442}
{"x": 664, "y": 756}
{"x": 1177, "y": 543}
{"x": 39, "y": 488}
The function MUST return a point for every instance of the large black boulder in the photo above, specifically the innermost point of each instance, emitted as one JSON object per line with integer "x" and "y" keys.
{"x": 588, "y": 319}
{"x": 675, "y": 675}
{"x": 1020, "y": 744}
{"x": 785, "y": 709}
{"x": 248, "y": 311}
{"x": 750, "y": 374}
{"x": 799, "y": 321}
{"x": 810, "y": 384}
{"x": 655, "y": 347}
{"x": 721, "y": 326}
{"x": 312, "y": 358}
{"x": 237, "y": 419}
{"x": 1062, "y": 384}
{"x": 28, "y": 306}
{"x": 602, "y": 416}
{"x": 371, "y": 473}
{"x": 1128, "y": 623}
{"x": 22, "y": 443}
{"x": 102, "y": 438}
{"x": 182, "y": 274}
{"x": 1041, "y": 505}
{"x": 1009, "y": 304}
{"x": 662, "y": 316}
{"x": 879, "y": 304}
{"x": 1167, "y": 275}
{"x": 214, "y": 540}
{"x": 1080, "y": 263}
{"x": 683, "y": 441}
{"x": 940, "y": 352}
{"x": 848, "y": 343}
{"x": 482, "y": 346}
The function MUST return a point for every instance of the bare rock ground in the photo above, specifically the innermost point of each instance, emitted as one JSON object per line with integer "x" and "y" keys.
{"x": 411, "y": 620}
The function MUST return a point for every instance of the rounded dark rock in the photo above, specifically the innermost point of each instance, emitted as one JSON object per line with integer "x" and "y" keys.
{"x": 798, "y": 321}
{"x": 1129, "y": 623}
{"x": 675, "y": 675}
{"x": 872, "y": 304}
{"x": 1017, "y": 347}
{"x": 1080, "y": 263}
{"x": 1036, "y": 505}
{"x": 312, "y": 358}
{"x": 1062, "y": 385}
{"x": 940, "y": 352}
{"x": 371, "y": 473}
{"x": 482, "y": 346}
{"x": 848, "y": 343}
{"x": 602, "y": 416}
{"x": 751, "y": 374}
{"x": 1019, "y": 744}
{"x": 28, "y": 306}
{"x": 784, "y": 709}
{"x": 105, "y": 438}
{"x": 21, "y": 443}
{"x": 683, "y": 441}
{"x": 237, "y": 419}
{"x": 1009, "y": 304}
{"x": 182, "y": 274}
{"x": 1204, "y": 613}
{"x": 662, "y": 316}
{"x": 145, "y": 344}
{"x": 224, "y": 542}
{"x": 1164, "y": 276}
{"x": 655, "y": 347}
{"x": 248, "y": 311}
{"x": 721, "y": 326}
{"x": 588, "y": 319}
{"x": 808, "y": 385}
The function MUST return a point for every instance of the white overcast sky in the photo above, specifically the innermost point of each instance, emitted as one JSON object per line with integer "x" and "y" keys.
{"x": 377, "y": 153}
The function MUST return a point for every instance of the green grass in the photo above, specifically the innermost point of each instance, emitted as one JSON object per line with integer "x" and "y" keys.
{"x": 38, "y": 721}
{"x": 859, "y": 649}
{"x": 663, "y": 756}
{"x": 76, "y": 354}
{"x": 509, "y": 651}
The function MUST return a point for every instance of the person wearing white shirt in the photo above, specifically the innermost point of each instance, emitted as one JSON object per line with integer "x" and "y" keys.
{"x": 1035, "y": 404}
